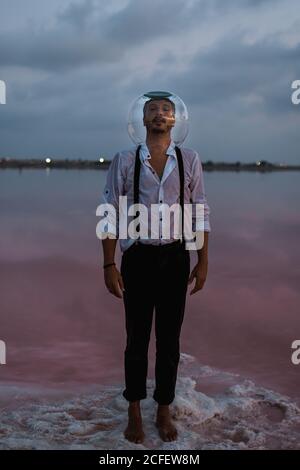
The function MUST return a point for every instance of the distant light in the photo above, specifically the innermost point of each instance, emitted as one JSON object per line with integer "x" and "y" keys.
{"x": 258, "y": 163}
{"x": 101, "y": 160}
{"x": 48, "y": 160}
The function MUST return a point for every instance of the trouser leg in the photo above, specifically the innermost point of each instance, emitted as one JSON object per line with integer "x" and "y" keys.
{"x": 137, "y": 271}
{"x": 169, "y": 313}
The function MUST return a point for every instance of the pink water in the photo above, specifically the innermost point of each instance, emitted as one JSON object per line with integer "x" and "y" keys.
{"x": 62, "y": 328}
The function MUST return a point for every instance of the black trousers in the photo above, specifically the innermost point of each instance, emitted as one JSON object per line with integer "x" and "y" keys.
{"x": 155, "y": 278}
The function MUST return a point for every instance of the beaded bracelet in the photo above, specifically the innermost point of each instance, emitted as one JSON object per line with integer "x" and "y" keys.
{"x": 109, "y": 264}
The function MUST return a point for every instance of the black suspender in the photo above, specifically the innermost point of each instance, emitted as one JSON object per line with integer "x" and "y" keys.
{"x": 137, "y": 169}
{"x": 136, "y": 187}
{"x": 181, "y": 178}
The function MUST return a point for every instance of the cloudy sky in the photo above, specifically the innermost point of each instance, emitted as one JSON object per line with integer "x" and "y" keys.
{"x": 72, "y": 68}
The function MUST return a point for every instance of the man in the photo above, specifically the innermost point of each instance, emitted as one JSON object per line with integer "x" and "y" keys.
{"x": 154, "y": 272}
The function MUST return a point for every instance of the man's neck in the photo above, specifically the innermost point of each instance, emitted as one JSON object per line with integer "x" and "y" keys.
{"x": 158, "y": 144}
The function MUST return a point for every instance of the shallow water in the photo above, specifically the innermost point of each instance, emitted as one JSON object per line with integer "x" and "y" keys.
{"x": 65, "y": 333}
{"x": 240, "y": 415}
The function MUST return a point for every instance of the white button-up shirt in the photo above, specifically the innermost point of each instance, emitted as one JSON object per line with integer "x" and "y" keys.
{"x": 152, "y": 189}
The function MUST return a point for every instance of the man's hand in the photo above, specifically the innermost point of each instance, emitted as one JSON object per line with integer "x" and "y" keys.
{"x": 114, "y": 281}
{"x": 199, "y": 273}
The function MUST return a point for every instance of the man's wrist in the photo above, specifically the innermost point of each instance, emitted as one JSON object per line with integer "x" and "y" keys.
{"x": 107, "y": 265}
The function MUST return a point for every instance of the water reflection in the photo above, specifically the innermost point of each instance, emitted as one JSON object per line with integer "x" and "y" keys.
{"x": 62, "y": 327}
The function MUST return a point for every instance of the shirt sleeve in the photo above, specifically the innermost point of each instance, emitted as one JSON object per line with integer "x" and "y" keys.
{"x": 114, "y": 187}
{"x": 198, "y": 194}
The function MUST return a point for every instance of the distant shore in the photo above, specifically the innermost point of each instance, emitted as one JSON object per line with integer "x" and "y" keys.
{"x": 103, "y": 164}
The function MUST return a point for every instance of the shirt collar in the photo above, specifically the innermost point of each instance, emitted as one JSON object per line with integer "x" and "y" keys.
{"x": 145, "y": 154}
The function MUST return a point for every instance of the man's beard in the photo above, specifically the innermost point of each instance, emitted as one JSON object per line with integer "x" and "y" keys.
{"x": 161, "y": 130}
{"x": 158, "y": 130}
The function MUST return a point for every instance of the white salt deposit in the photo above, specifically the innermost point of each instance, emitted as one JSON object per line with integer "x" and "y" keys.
{"x": 235, "y": 414}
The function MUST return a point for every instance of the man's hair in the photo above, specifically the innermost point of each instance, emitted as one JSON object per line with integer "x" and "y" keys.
{"x": 158, "y": 99}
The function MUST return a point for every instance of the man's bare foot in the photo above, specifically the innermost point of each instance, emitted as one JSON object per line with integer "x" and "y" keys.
{"x": 166, "y": 428}
{"x": 134, "y": 431}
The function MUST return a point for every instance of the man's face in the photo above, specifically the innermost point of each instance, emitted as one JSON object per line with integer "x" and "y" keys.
{"x": 159, "y": 116}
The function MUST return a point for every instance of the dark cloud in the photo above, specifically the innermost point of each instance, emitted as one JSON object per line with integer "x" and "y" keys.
{"x": 78, "y": 14}
{"x": 83, "y": 34}
{"x": 235, "y": 69}
{"x": 56, "y": 50}
{"x": 71, "y": 79}
{"x": 142, "y": 21}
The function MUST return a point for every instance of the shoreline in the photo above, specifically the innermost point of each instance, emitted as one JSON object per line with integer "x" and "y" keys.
{"x": 229, "y": 412}
{"x": 20, "y": 164}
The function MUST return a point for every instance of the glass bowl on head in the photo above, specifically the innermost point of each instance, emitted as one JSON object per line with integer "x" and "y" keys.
{"x": 135, "y": 124}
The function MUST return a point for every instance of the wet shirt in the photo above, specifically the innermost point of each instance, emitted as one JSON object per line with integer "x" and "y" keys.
{"x": 155, "y": 190}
